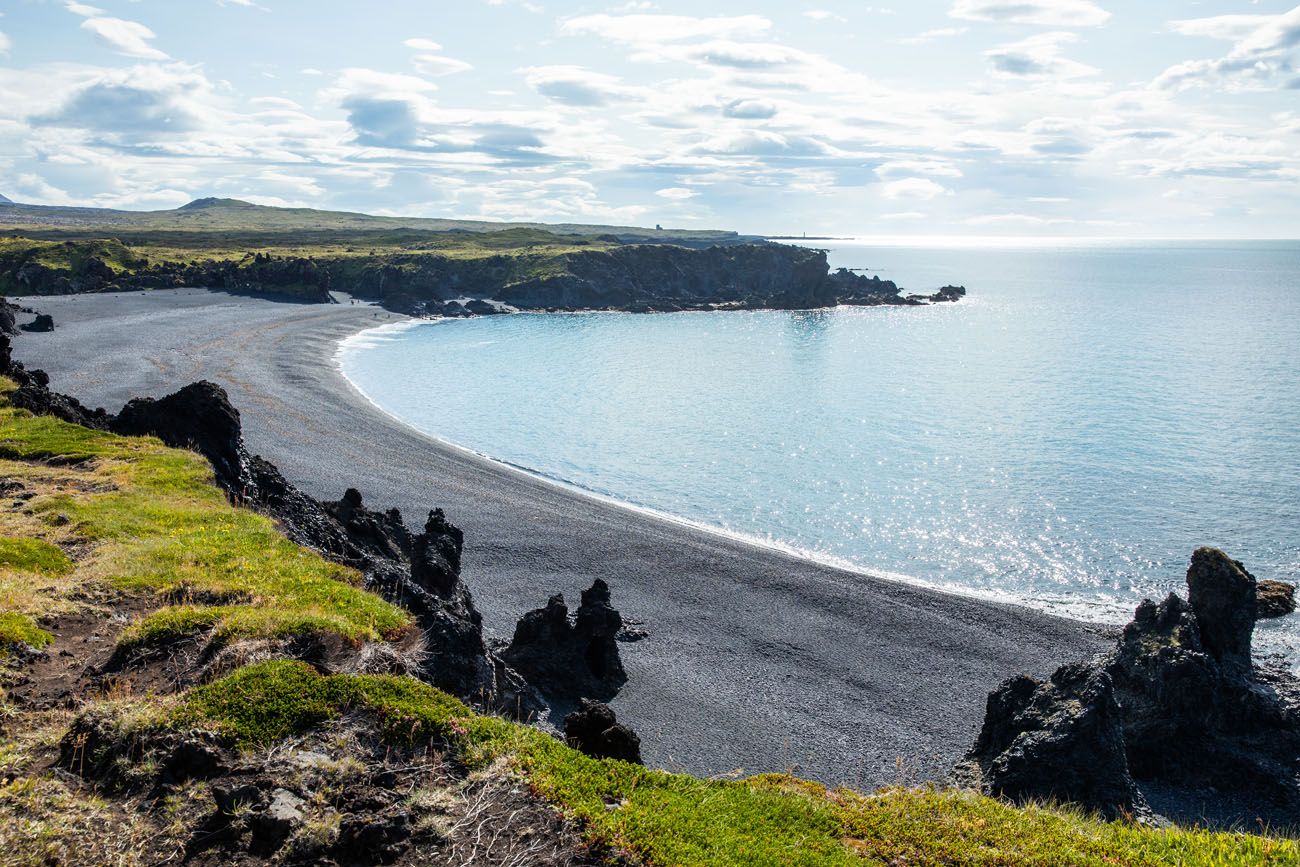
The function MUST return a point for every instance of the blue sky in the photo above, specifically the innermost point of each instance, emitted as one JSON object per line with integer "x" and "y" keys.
{"x": 964, "y": 117}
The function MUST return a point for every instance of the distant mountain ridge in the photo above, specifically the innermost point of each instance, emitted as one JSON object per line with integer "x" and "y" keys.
{"x": 5, "y": 200}
{"x": 211, "y": 214}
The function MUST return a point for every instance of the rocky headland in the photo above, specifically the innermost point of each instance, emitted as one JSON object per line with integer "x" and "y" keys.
{"x": 602, "y": 274}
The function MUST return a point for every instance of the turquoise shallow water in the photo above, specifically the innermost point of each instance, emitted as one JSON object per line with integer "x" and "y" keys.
{"x": 1063, "y": 438}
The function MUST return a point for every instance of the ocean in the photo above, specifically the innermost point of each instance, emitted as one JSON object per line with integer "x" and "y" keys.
{"x": 1062, "y": 438}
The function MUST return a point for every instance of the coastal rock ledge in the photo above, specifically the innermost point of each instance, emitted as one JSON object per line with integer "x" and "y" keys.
{"x": 1178, "y": 719}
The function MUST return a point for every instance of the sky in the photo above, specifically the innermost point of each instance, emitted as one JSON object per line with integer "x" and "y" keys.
{"x": 1090, "y": 118}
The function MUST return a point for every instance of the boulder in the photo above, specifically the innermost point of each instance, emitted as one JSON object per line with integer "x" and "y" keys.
{"x": 42, "y": 322}
{"x": 199, "y": 417}
{"x": 1222, "y": 594}
{"x": 272, "y": 826}
{"x": 593, "y": 730}
{"x": 1060, "y": 740}
{"x": 570, "y": 657}
{"x": 1274, "y": 599}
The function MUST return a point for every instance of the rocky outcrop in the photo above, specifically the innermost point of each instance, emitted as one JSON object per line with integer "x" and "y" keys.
{"x": 1061, "y": 740}
{"x": 42, "y": 323}
{"x": 198, "y": 417}
{"x": 420, "y": 571}
{"x": 635, "y": 277}
{"x": 567, "y": 657}
{"x": 593, "y": 729}
{"x": 1274, "y": 599}
{"x": 1222, "y": 595}
{"x": 1195, "y": 711}
{"x": 9, "y": 317}
{"x": 101, "y": 265}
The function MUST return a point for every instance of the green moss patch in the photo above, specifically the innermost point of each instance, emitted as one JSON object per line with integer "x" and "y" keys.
{"x": 18, "y": 629}
{"x": 33, "y": 555}
{"x": 263, "y": 703}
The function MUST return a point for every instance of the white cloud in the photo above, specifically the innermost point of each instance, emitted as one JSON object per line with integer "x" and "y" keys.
{"x": 931, "y": 35}
{"x": 1053, "y": 13}
{"x": 1263, "y": 55}
{"x": 437, "y": 65}
{"x": 1039, "y": 56}
{"x": 83, "y": 10}
{"x": 422, "y": 44}
{"x": 676, "y": 194}
{"x": 5, "y": 44}
{"x": 824, "y": 15}
{"x": 125, "y": 37}
{"x": 921, "y": 189}
{"x": 575, "y": 85}
{"x": 644, "y": 29}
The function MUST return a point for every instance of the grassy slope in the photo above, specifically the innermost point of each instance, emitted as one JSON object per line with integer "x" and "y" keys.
{"x": 150, "y": 522}
{"x": 138, "y": 517}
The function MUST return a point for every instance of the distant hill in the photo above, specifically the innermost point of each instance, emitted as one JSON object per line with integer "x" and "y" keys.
{"x": 233, "y": 215}
{"x": 5, "y": 200}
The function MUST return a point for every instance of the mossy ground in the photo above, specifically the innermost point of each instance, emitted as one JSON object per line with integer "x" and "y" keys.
{"x": 113, "y": 515}
{"x": 665, "y": 818}
{"x": 147, "y": 520}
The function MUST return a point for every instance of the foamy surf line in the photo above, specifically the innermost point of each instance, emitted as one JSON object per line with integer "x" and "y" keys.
{"x": 1098, "y": 612}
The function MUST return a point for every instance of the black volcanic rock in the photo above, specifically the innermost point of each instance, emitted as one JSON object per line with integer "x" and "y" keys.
{"x": 593, "y": 730}
{"x": 199, "y": 417}
{"x": 43, "y": 322}
{"x": 1060, "y": 740}
{"x": 8, "y": 317}
{"x": 1222, "y": 594}
{"x": 1196, "y": 713}
{"x": 570, "y": 658}
{"x": 1274, "y": 599}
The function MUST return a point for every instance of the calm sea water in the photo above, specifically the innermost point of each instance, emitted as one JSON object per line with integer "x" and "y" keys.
{"x": 1063, "y": 438}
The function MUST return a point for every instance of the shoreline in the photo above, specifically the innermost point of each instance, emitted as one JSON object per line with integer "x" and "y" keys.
{"x": 774, "y": 546}
{"x": 756, "y": 658}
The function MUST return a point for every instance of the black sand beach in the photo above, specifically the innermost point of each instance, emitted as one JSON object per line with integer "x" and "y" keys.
{"x": 755, "y": 661}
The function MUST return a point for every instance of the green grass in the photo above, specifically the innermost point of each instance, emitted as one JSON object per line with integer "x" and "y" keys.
{"x": 157, "y": 524}
{"x": 33, "y": 555}
{"x": 18, "y": 629}
{"x": 69, "y": 255}
{"x": 675, "y": 819}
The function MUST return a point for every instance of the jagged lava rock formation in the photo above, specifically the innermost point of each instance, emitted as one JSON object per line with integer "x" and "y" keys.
{"x": 1179, "y": 705}
{"x": 571, "y": 658}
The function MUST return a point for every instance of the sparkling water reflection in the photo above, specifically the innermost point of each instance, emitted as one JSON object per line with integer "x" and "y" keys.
{"x": 1064, "y": 437}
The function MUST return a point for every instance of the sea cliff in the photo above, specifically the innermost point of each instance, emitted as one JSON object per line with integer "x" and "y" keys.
{"x": 560, "y": 274}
